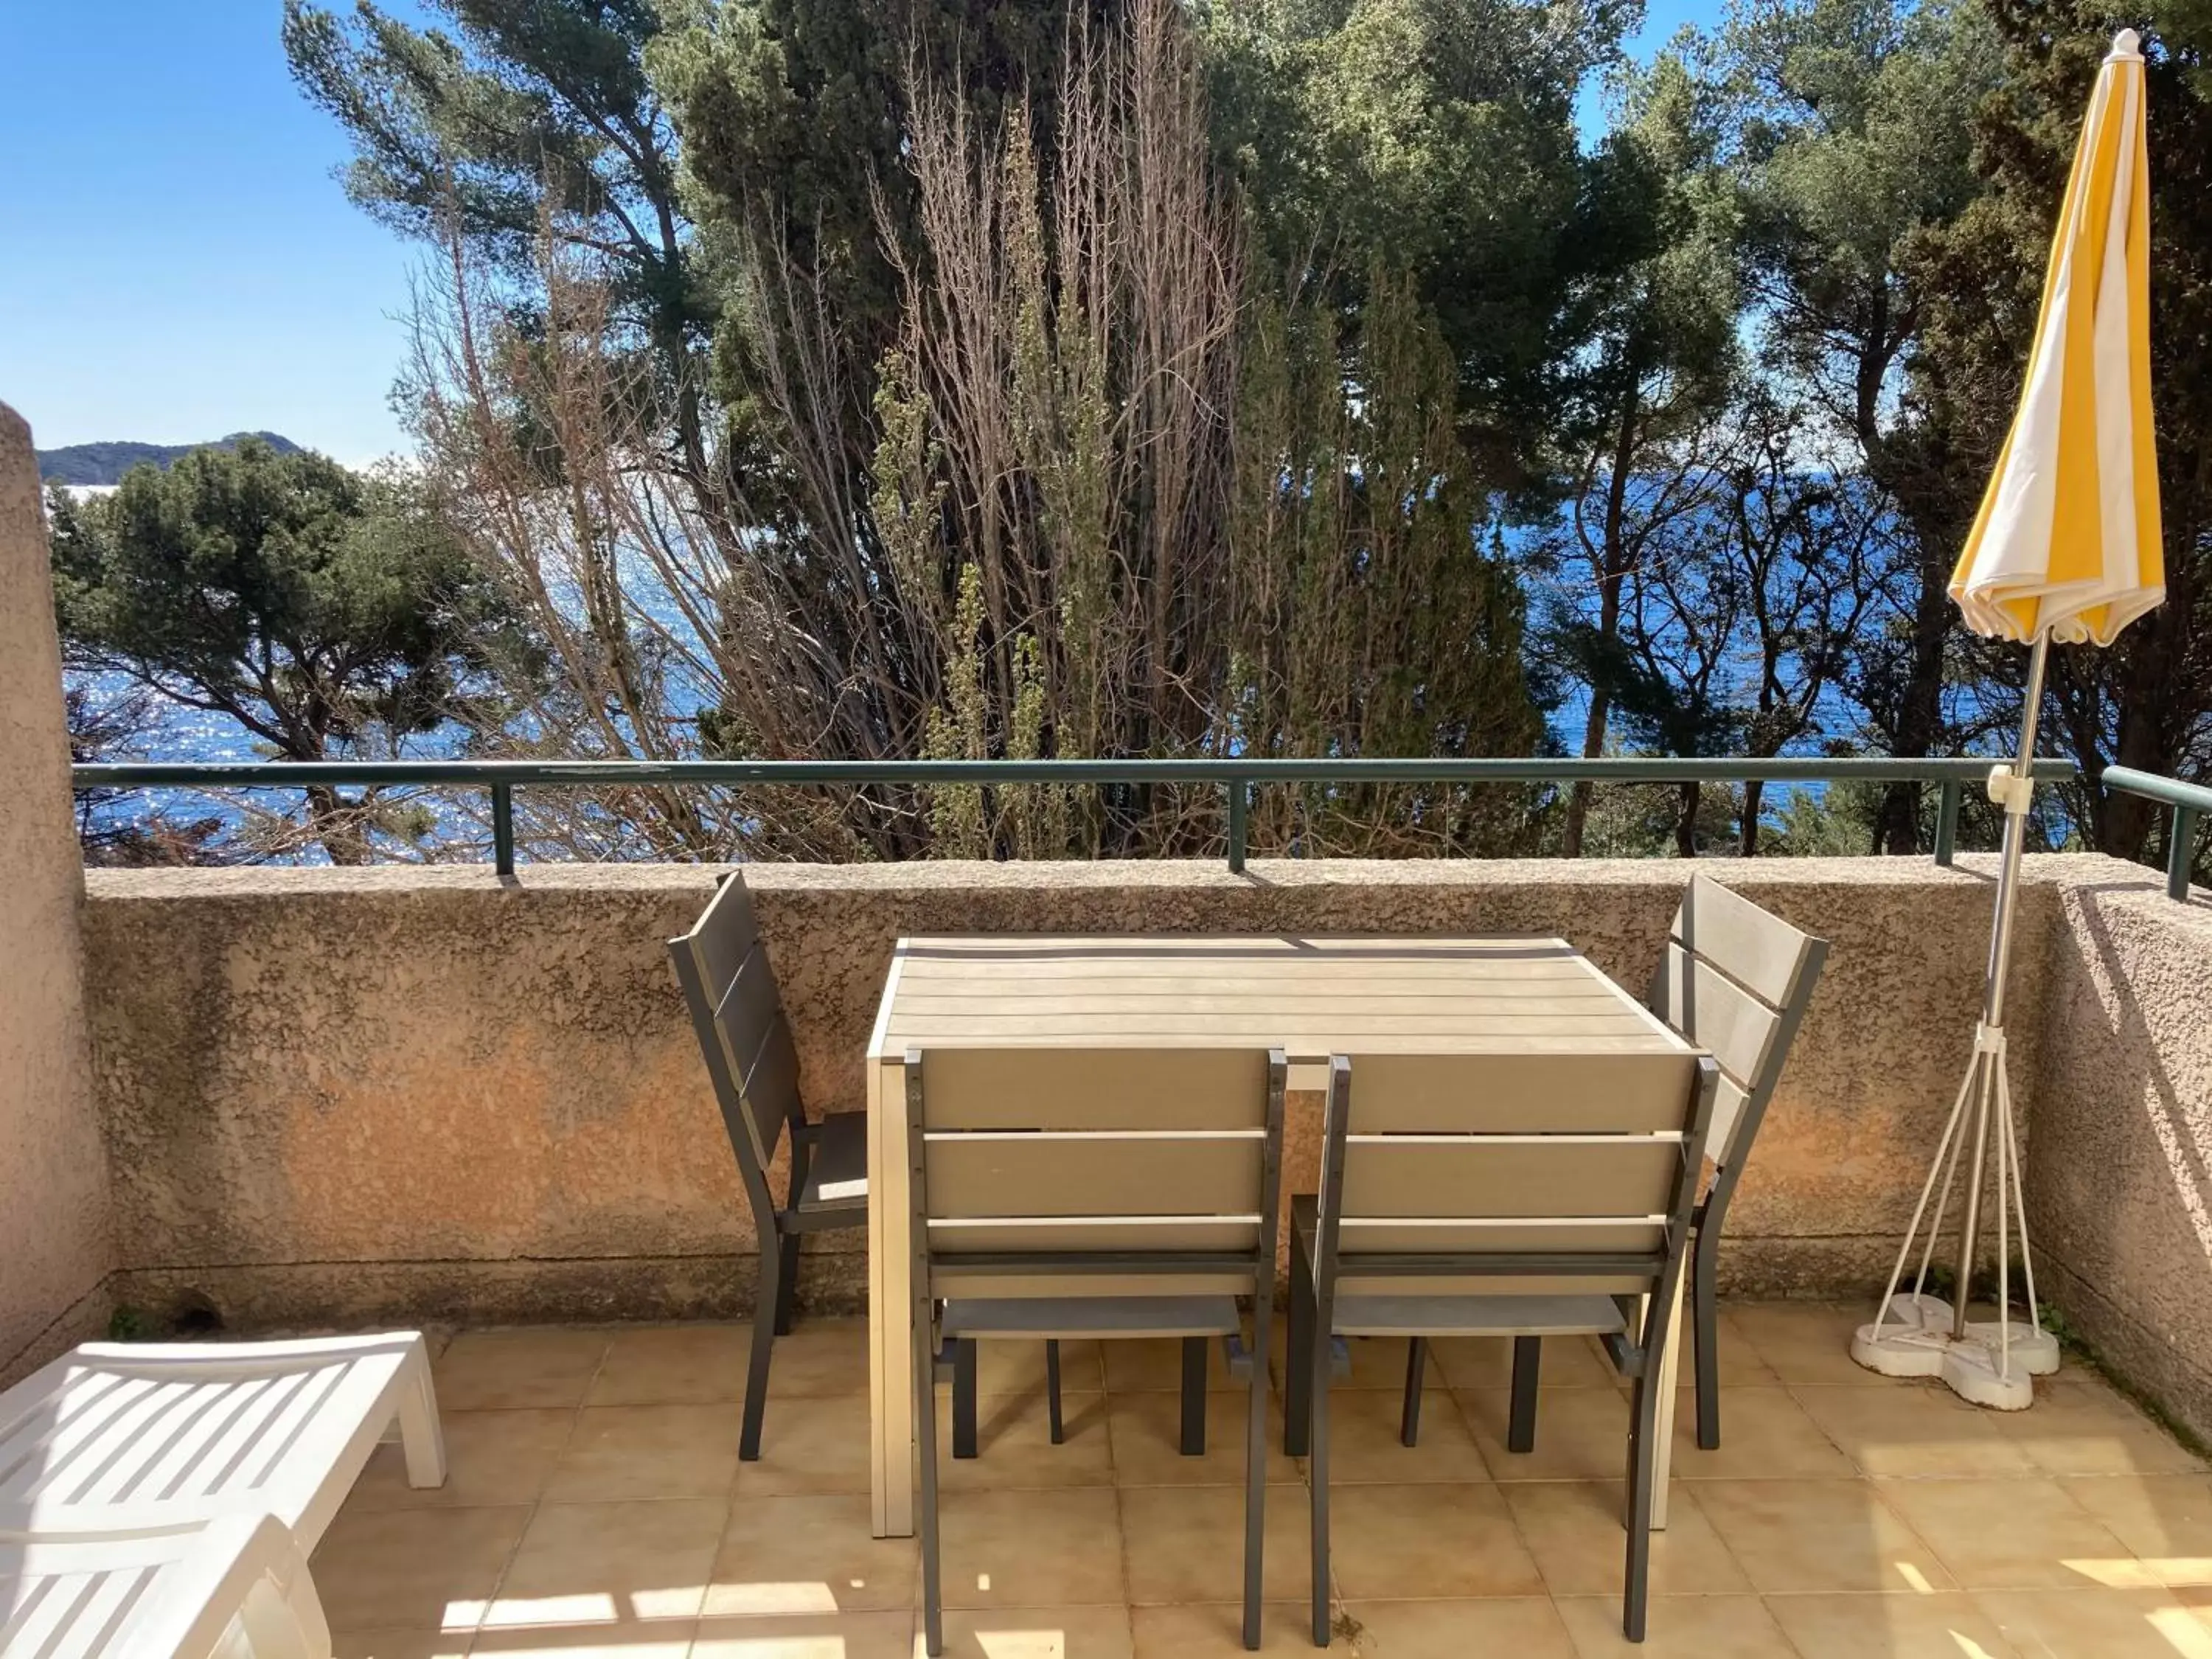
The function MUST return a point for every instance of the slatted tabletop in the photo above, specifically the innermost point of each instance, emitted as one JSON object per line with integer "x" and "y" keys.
{"x": 1312, "y": 997}
{"x": 1558, "y": 1025}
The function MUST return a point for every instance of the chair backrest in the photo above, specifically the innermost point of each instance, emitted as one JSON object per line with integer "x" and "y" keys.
{"x": 1442, "y": 1171}
{"x": 1110, "y": 1171}
{"x": 729, "y": 989}
{"x": 1736, "y": 981}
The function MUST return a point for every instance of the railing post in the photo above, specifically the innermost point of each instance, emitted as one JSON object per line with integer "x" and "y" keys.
{"x": 502, "y": 828}
{"x": 1947, "y": 822}
{"x": 2180, "y": 842}
{"x": 1239, "y": 803}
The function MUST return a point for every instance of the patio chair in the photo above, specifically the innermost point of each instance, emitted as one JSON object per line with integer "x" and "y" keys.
{"x": 1446, "y": 1210}
{"x": 151, "y": 1436}
{"x": 745, "y": 1039}
{"x": 1736, "y": 981}
{"x": 1098, "y": 1193}
{"x": 234, "y": 1588}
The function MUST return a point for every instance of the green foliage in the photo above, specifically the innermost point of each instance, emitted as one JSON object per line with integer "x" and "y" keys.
{"x": 1435, "y": 137}
{"x": 325, "y": 612}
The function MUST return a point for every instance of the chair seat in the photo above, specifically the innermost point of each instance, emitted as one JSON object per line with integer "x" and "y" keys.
{"x": 1478, "y": 1316}
{"x": 837, "y": 1165}
{"x": 1077, "y": 1316}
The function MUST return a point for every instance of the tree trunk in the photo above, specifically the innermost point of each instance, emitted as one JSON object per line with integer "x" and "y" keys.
{"x": 1920, "y": 714}
{"x": 1749, "y": 840}
{"x": 1686, "y": 827}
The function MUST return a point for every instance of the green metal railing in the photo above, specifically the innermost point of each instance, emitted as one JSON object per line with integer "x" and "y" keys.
{"x": 1237, "y": 778}
{"x": 2185, "y": 802}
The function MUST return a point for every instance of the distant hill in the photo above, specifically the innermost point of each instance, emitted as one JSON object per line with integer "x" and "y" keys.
{"x": 105, "y": 464}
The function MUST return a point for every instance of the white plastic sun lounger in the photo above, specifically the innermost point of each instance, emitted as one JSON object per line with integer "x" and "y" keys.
{"x": 116, "y": 1435}
{"x": 235, "y": 1588}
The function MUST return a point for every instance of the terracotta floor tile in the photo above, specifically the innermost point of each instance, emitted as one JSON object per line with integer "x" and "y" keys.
{"x": 1573, "y": 1528}
{"x": 1216, "y": 1631}
{"x": 2011, "y": 1535}
{"x": 1364, "y": 1444}
{"x": 1426, "y": 1541}
{"x": 1739, "y": 1363}
{"x": 1186, "y": 1544}
{"x": 494, "y": 1370}
{"x": 1013, "y": 1443}
{"x": 1034, "y": 1633}
{"x": 605, "y": 1563}
{"x": 2164, "y": 1520}
{"x": 700, "y": 1364}
{"x": 399, "y": 1644}
{"x": 820, "y": 1359}
{"x": 1030, "y": 1549}
{"x": 2083, "y": 1425}
{"x": 491, "y": 1458}
{"x": 2111, "y": 1624}
{"x": 1017, "y": 1366}
{"x": 1526, "y": 1627}
{"x": 1146, "y": 1428}
{"x": 1818, "y": 1536}
{"x": 1909, "y": 1429}
{"x": 1487, "y": 1362}
{"x": 814, "y": 1636}
{"x": 655, "y": 1638}
{"x": 1157, "y": 1363}
{"x": 808, "y": 1555}
{"x": 620, "y": 1452}
{"x": 1804, "y": 1341}
{"x": 1765, "y": 1435}
{"x": 414, "y": 1569}
{"x": 1582, "y": 1434}
{"x": 813, "y": 1446}
{"x": 1679, "y": 1627}
{"x": 1949, "y": 1624}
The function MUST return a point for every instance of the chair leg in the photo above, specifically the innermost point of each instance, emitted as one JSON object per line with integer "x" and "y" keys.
{"x": 1194, "y": 1397}
{"x": 772, "y": 1250}
{"x": 787, "y": 1284}
{"x": 1409, "y": 1416}
{"x": 1297, "y": 1355}
{"x": 1643, "y": 1444}
{"x": 964, "y": 1397}
{"x": 925, "y": 1431}
{"x": 1705, "y": 1314}
{"x": 1317, "y": 1477}
{"x": 1255, "y": 1465}
{"x": 421, "y": 1441}
{"x": 1052, "y": 1390}
{"x": 1520, "y": 1427}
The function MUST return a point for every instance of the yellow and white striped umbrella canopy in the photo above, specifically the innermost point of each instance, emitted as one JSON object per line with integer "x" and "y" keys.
{"x": 2067, "y": 540}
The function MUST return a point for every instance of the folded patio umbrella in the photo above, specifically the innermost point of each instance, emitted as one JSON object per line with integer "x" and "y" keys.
{"x": 2066, "y": 545}
{"x": 2065, "y": 548}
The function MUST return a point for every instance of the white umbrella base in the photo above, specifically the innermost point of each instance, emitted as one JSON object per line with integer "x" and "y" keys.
{"x": 1894, "y": 1349}
{"x": 2032, "y": 1351}
{"x": 1970, "y": 1370}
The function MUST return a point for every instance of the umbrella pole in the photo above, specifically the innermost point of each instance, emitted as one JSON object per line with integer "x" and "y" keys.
{"x": 1988, "y": 1041}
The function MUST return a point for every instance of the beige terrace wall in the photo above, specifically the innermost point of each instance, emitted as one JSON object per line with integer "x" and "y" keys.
{"x": 2120, "y": 1181}
{"x": 54, "y": 1249}
{"x": 335, "y": 1096}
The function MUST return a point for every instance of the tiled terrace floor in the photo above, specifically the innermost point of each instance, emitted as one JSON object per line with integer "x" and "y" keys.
{"x": 597, "y": 1508}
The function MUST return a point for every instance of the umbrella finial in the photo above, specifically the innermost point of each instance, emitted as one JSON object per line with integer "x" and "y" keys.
{"x": 2126, "y": 44}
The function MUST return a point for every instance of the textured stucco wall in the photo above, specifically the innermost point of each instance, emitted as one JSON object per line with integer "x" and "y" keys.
{"x": 54, "y": 1252}
{"x": 335, "y": 1094}
{"x": 2120, "y": 1181}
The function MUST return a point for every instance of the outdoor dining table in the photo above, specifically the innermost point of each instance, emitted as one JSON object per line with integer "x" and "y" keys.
{"x": 1536, "y": 1003}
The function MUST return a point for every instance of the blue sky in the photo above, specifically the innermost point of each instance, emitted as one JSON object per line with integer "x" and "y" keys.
{"x": 179, "y": 262}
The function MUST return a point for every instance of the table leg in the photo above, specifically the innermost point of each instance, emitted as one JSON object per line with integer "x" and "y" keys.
{"x": 891, "y": 1321}
{"x": 1662, "y": 1455}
